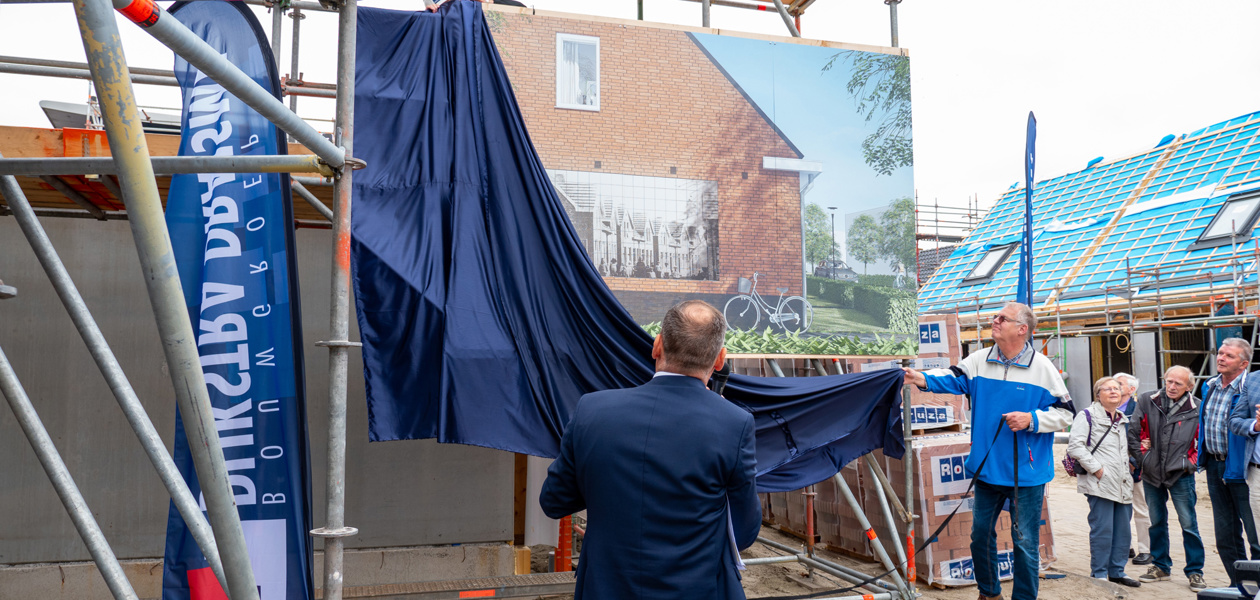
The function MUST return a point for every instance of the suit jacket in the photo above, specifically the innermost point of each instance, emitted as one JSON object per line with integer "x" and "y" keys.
{"x": 656, "y": 468}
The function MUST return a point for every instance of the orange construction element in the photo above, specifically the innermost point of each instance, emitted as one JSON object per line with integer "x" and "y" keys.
{"x": 564, "y": 548}
{"x": 870, "y": 533}
{"x": 477, "y": 594}
{"x": 142, "y": 12}
{"x": 910, "y": 556}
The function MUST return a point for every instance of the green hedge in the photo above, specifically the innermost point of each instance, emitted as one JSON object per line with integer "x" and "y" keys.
{"x": 839, "y": 293}
{"x": 888, "y": 281}
{"x": 894, "y": 309}
{"x": 743, "y": 342}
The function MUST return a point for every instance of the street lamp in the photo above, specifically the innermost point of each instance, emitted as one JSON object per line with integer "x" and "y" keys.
{"x": 832, "y": 272}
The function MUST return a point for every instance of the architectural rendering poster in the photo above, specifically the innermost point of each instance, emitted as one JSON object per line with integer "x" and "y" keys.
{"x": 772, "y": 179}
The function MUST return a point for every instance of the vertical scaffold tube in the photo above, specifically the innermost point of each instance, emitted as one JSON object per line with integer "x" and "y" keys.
{"x": 908, "y": 463}
{"x": 130, "y": 151}
{"x": 40, "y": 441}
{"x": 335, "y": 530}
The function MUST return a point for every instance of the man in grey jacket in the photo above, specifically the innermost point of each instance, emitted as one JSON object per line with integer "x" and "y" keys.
{"x": 1163, "y": 439}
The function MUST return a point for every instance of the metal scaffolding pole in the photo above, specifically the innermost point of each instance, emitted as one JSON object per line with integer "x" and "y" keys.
{"x": 113, "y": 373}
{"x": 57, "y": 472}
{"x": 166, "y": 29}
{"x": 848, "y": 574}
{"x": 297, "y": 16}
{"x": 892, "y": 20}
{"x": 787, "y": 19}
{"x": 704, "y": 13}
{"x": 312, "y": 200}
{"x": 907, "y": 460}
{"x": 166, "y": 165}
{"x": 880, "y": 553}
{"x": 80, "y": 73}
{"x": 277, "y": 18}
{"x": 157, "y": 261}
{"x": 892, "y": 525}
{"x": 335, "y": 530}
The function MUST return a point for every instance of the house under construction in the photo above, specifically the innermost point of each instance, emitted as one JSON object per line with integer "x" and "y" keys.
{"x": 1139, "y": 264}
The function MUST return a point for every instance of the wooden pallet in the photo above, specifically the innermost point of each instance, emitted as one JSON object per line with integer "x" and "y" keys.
{"x": 955, "y": 428}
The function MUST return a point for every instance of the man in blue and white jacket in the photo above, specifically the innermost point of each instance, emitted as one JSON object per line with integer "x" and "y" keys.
{"x": 1018, "y": 394}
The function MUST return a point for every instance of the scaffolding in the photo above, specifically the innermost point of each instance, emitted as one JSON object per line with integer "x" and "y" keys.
{"x": 1188, "y": 294}
{"x": 129, "y": 177}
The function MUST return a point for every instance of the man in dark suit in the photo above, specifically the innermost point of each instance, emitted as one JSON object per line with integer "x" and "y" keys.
{"x": 665, "y": 472}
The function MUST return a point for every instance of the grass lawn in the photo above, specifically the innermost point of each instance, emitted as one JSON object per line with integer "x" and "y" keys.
{"x": 829, "y": 318}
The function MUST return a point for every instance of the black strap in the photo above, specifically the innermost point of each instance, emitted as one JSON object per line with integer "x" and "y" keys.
{"x": 1016, "y": 534}
{"x": 931, "y": 538}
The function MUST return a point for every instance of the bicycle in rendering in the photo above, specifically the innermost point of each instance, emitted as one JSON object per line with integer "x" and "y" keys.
{"x": 743, "y": 312}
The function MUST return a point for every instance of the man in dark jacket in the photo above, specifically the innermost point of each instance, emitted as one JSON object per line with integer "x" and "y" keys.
{"x": 1163, "y": 438}
{"x": 666, "y": 472}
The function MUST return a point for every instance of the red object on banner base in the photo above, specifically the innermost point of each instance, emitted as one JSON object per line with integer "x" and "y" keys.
{"x": 564, "y": 547}
{"x": 910, "y": 553}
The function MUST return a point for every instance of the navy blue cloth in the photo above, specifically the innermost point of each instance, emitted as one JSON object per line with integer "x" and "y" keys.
{"x": 482, "y": 318}
{"x": 656, "y": 467}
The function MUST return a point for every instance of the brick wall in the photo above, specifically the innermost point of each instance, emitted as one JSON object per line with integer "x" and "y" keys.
{"x": 664, "y": 105}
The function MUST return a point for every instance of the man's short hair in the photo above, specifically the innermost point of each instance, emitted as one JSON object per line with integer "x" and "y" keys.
{"x": 1127, "y": 379}
{"x": 1180, "y": 369}
{"x": 1243, "y": 346}
{"x": 692, "y": 335}
{"x": 1025, "y": 316}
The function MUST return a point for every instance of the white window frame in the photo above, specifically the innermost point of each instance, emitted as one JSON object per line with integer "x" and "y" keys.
{"x": 1245, "y": 228}
{"x": 1001, "y": 253}
{"x": 561, "y": 38}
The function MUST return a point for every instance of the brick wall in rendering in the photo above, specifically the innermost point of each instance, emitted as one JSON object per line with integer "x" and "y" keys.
{"x": 664, "y": 105}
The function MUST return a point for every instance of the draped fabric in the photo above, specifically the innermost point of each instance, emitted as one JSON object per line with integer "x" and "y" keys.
{"x": 482, "y": 318}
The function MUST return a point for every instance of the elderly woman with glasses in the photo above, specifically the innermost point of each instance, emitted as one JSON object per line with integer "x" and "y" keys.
{"x": 1099, "y": 444}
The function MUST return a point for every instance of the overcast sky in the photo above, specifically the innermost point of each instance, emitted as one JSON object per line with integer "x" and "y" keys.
{"x": 1104, "y": 78}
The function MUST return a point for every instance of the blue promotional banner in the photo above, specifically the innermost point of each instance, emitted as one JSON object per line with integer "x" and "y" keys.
{"x": 233, "y": 240}
{"x": 1025, "y": 292}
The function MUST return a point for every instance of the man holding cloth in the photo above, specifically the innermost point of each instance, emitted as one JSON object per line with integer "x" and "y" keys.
{"x": 666, "y": 472}
{"x": 1163, "y": 439}
{"x": 1018, "y": 393}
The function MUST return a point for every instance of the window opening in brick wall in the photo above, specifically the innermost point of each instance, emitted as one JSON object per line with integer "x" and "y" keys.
{"x": 577, "y": 71}
{"x": 645, "y": 227}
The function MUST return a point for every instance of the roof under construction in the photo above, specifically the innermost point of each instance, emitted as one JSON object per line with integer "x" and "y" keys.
{"x": 1177, "y": 218}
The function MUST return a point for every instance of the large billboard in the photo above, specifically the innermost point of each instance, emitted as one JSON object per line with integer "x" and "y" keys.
{"x": 770, "y": 177}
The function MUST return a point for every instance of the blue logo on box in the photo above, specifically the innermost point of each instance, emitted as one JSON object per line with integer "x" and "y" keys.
{"x": 930, "y": 333}
{"x": 930, "y": 414}
{"x": 964, "y": 568}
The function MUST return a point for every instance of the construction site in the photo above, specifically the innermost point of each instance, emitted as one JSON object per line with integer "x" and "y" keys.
{"x": 1142, "y": 263}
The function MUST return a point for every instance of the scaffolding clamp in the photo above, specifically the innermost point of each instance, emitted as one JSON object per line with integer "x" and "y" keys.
{"x": 339, "y": 344}
{"x": 7, "y": 291}
{"x": 340, "y": 532}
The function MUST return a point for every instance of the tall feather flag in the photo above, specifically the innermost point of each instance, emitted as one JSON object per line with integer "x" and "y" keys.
{"x": 1024, "y": 293}
{"x": 233, "y": 239}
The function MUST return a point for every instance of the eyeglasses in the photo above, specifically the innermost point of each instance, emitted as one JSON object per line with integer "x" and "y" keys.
{"x": 1109, "y": 389}
{"x": 1000, "y": 319}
